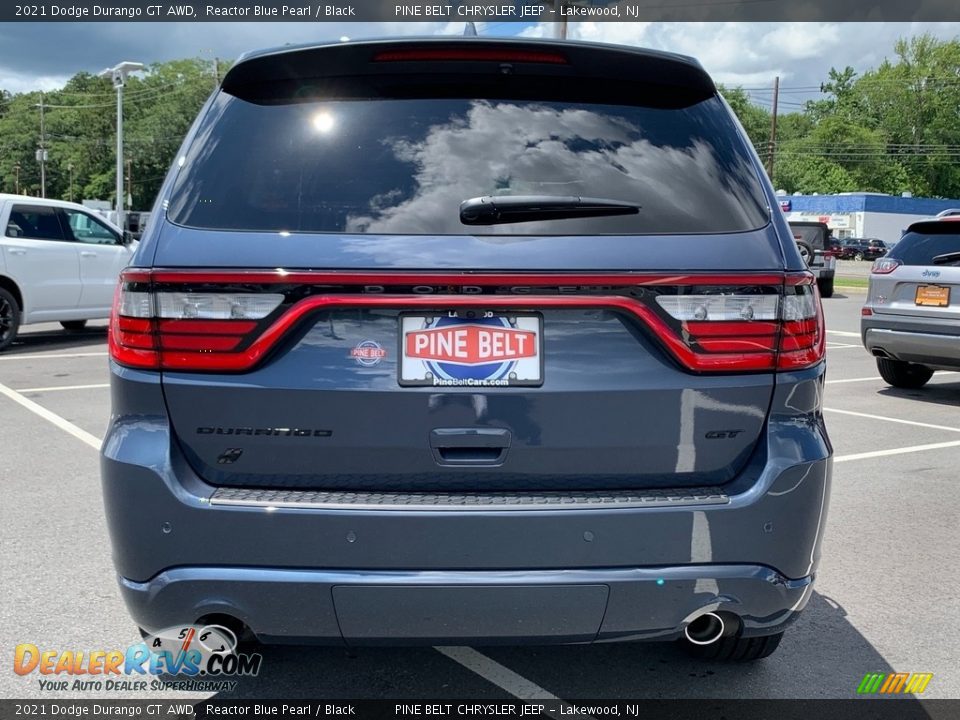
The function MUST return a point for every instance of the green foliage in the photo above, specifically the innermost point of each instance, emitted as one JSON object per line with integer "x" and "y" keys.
{"x": 893, "y": 129}
{"x": 80, "y": 131}
{"x": 755, "y": 120}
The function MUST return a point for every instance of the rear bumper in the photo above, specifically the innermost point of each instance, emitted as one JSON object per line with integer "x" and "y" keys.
{"x": 385, "y": 571}
{"x": 926, "y": 348}
{"x": 370, "y": 608}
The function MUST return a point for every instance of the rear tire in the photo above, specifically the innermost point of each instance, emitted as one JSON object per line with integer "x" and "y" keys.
{"x": 736, "y": 649}
{"x": 73, "y": 325}
{"x": 858, "y": 256}
{"x": 826, "y": 287}
{"x": 806, "y": 252}
{"x": 902, "y": 374}
{"x": 9, "y": 319}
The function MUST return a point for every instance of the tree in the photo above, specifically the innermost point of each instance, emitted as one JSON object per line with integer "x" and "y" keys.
{"x": 755, "y": 119}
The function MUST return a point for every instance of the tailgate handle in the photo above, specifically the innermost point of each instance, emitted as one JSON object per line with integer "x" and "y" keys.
{"x": 470, "y": 446}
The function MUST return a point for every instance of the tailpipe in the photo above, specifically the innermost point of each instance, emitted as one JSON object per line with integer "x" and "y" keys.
{"x": 705, "y": 629}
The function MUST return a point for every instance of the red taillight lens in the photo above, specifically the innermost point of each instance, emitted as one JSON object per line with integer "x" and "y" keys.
{"x": 172, "y": 329}
{"x": 470, "y": 55}
{"x": 802, "y": 333}
{"x": 884, "y": 266}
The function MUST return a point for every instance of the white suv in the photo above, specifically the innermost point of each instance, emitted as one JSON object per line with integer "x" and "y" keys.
{"x": 59, "y": 262}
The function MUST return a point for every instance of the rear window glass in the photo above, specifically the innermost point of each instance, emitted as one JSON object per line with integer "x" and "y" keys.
{"x": 403, "y": 166}
{"x": 919, "y": 248}
{"x": 813, "y": 235}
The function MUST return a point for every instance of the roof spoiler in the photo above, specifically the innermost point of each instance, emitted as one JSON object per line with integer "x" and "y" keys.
{"x": 391, "y": 68}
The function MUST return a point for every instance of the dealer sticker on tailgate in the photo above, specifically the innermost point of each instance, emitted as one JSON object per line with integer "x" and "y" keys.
{"x": 474, "y": 348}
{"x": 932, "y": 296}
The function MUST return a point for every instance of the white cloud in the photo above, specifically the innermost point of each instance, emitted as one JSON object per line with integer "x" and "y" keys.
{"x": 753, "y": 54}
{"x": 14, "y": 82}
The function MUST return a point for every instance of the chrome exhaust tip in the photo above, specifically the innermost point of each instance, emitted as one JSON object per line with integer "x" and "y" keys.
{"x": 705, "y": 629}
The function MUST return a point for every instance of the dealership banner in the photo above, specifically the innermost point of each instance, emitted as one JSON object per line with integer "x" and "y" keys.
{"x": 904, "y": 708}
{"x": 521, "y": 11}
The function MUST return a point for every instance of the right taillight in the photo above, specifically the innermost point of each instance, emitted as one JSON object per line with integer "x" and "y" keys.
{"x": 883, "y": 266}
{"x": 802, "y": 338}
{"x": 728, "y": 330}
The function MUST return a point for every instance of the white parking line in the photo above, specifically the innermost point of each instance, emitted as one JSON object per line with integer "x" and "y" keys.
{"x": 62, "y": 423}
{"x": 849, "y": 380}
{"x": 896, "y": 451}
{"x": 893, "y": 420}
{"x": 840, "y": 346}
{"x": 52, "y": 388}
{"x": 44, "y": 356}
{"x": 843, "y": 333}
{"x": 503, "y": 677}
{"x": 877, "y": 377}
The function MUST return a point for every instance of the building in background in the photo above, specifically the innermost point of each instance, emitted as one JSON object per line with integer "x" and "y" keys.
{"x": 863, "y": 215}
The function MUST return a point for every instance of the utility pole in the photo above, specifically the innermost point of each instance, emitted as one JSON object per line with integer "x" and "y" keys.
{"x": 561, "y": 21}
{"x": 16, "y": 175}
{"x": 216, "y": 72}
{"x": 70, "y": 170}
{"x": 773, "y": 127}
{"x": 129, "y": 182}
{"x": 119, "y": 74}
{"x": 42, "y": 151}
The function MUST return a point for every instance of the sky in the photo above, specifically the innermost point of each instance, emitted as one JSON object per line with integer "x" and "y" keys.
{"x": 44, "y": 55}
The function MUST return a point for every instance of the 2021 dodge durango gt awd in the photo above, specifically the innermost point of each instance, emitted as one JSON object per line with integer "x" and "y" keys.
{"x": 468, "y": 341}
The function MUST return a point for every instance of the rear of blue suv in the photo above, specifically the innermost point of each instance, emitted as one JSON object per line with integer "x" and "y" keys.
{"x": 468, "y": 341}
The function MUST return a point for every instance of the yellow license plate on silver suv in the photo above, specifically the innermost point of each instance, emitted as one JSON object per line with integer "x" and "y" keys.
{"x": 933, "y": 296}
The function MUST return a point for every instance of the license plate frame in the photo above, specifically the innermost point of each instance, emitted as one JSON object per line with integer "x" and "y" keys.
{"x": 527, "y": 371}
{"x": 932, "y": 296}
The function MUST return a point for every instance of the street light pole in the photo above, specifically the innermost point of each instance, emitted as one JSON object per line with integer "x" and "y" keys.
{"x": 42, "y": 151}
{"x": 118, "y": 74}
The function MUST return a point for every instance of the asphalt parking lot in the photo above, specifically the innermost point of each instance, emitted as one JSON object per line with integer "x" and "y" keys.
{"x": 885, "y": 597}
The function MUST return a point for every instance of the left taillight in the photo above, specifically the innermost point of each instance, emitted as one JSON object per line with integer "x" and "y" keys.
{"x": 884, "y": 266}
{"x": 157, "y": 328}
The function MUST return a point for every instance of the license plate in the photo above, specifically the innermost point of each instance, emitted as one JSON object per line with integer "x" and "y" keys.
{"x": 471, "y": 348}
{"x": 933, "y": 296}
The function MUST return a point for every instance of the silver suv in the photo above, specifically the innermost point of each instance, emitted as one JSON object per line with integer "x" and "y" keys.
{"x": 911, "y": 320}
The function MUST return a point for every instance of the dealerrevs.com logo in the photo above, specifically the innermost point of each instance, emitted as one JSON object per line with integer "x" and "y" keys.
{"x": 894, "y": 683}
{"x": 187, "y": 657}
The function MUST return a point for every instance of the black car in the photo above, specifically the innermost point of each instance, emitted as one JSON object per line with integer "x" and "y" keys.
{"x": 863, "y": 249}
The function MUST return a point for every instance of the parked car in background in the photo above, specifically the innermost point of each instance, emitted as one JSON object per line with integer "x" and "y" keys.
{"x": 610, "y": 402}
{"x": 818, "y": 248}
{"x": 833, "y": 247}
{"x": 59, "y": 262}
{"x": 862, "y": 249}
{"x": 135, "y": 222}
{"x": 911, "y": 319}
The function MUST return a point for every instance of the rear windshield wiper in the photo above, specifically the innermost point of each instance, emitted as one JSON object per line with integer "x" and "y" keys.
{"x": 500, "y": 209}
{"x": 946, "y": 258}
